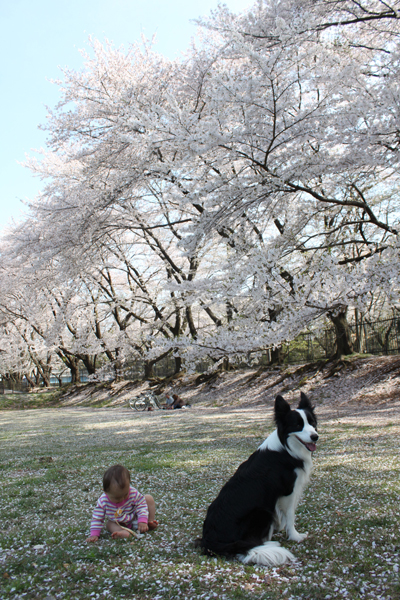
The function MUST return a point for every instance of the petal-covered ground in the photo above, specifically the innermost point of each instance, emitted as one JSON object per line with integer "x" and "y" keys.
{"x": 52, "y": 462}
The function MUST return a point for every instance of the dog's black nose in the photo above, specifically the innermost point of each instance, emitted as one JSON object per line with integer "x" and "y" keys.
{"x": 314, "y": 437}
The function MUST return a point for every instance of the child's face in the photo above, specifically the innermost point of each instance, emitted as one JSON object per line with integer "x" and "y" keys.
{"x": 118, "y": 494}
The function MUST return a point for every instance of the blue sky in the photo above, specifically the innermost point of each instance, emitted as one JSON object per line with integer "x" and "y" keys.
{"x": 39, "y": 36}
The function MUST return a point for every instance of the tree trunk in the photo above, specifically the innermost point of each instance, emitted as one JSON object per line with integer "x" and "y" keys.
{"x": 149, "y": 365}
{"x": 90, "y": 362}
{"x": 46, "y": 376}
{"x": 30, "y": 380}
{"x": 43, "y": 370}
{"x": 344, "y": 345}
{"x": 225, "y": 365}
{"x": 117, "y": 366}
{"x": 190, "y": 320}
{"x": 178, "y": 364}
{"x": 71, "y": 361}
{"x": 276, "y": 356}
{"x": 149, "y": 369}
{"x": 36, "y": 376}
{"x": 73, "y": 365}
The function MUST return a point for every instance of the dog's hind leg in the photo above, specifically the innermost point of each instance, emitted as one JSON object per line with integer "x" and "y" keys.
{"x": 268, "y": 538}
{"x": 279, "y": 519}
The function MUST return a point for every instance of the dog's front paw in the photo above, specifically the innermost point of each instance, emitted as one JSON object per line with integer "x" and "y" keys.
{"x": 295, "y": 536}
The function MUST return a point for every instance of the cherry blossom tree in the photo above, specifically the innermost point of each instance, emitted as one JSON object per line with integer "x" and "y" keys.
{"x": 296, "y": 105}
{"x": 219, "y": 205}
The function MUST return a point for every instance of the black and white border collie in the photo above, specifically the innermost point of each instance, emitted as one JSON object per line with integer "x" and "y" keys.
{"x": 263, "y": 494}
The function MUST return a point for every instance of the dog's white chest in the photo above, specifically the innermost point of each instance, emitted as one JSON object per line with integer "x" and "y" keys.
{"x": 286, "y": 505}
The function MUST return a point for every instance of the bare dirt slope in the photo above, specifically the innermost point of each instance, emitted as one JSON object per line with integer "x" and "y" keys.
{"x": 337, "y": 389}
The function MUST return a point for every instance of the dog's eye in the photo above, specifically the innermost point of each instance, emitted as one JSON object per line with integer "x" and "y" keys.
{"x": 300, "y": 421}
{"x": 312, "y": 421}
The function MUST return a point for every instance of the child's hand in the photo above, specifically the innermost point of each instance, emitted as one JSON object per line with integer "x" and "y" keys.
{"x": 92, "y": 538}
{"x": 143, "y": 527}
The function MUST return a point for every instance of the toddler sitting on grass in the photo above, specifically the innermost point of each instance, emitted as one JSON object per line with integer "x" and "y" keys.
{"x": 121, "y": 507}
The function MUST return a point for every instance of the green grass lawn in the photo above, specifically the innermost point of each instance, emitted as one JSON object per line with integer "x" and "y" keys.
{"x": 25, "y": 400}
{"x": 51, "y": 467}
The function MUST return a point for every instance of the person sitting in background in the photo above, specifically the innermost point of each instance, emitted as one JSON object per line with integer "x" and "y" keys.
{"x": 168, "y": 400}
{"x": 178, "y": 402}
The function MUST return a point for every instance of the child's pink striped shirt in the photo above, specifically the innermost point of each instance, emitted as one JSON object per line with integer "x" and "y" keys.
{"x": 125, "y": 512}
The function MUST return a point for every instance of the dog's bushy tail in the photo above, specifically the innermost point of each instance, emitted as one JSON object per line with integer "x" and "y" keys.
{"x": 270, "y": 554}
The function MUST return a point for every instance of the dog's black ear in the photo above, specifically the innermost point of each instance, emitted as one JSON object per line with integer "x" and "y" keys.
{"x": 281, "y": 406}
{"x": 305, "y": 402}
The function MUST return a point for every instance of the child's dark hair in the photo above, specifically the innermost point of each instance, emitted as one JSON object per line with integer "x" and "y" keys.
{"x": 116, "y": 473}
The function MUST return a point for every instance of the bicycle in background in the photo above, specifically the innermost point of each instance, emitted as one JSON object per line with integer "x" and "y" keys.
{"x": 145, "y": 401}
